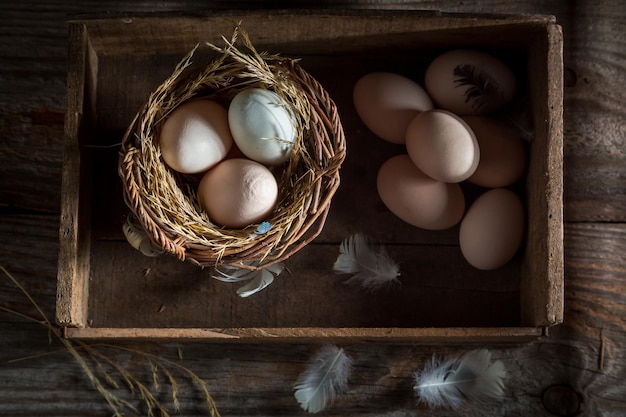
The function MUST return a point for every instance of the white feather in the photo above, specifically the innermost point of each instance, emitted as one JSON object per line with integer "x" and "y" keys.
{"x": 453, "y": 382}
{"x": 258, "y": 279}
{"x": 228, "y": 273}
{"x": 138, "y": 238}
{"x": 369, "y": 262}
{"x": 326, "y": 377}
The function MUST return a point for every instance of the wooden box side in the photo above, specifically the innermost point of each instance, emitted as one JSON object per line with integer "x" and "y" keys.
{"x": 361, "y": 31}
{"x": 543, "y": 277}
{"x": 74, "y": 233}
{"x": 111, "y": 37}
{"x": 250, "y": 335}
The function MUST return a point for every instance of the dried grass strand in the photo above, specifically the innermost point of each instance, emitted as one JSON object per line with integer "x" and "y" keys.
{"x": 98, "y": 359}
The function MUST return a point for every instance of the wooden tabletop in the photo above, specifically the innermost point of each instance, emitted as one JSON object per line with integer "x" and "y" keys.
{"x": 578, "y": 369}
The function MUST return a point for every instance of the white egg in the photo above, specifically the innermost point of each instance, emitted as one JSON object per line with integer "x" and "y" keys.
{"x": 195, "y": 136}
{"x": 263, "y": 125}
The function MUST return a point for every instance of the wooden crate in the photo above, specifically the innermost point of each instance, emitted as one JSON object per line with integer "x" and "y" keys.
{"x": 106, "y": 289}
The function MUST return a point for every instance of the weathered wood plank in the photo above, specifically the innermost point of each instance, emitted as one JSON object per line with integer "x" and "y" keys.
{"x": 436, "y": 289}
{"x": 596, "y": 270}
{"x": 586, "y": 353}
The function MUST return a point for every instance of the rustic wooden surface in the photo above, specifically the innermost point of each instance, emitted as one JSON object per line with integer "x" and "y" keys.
{"x": 579, "y": 370}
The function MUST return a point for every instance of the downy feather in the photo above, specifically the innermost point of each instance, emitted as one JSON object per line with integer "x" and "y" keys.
{"x": 326, "y": 377}
{"x": 369, "y": 262}
{"x": 228, "y": 273}
{"x": 258, "y": 279}
{"x": 453, "y": 382}
{"x": 138, "y": 238}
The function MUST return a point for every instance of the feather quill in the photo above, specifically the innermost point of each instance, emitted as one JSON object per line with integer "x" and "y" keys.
{"x": 326, "y": 377}
{"x": 258, "y": 279}
{"x": 369, "y": 262}
{"x": 453, "y": 382}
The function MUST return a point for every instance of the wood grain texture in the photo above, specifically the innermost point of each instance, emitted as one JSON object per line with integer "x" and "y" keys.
{"x": 585, "y": 354}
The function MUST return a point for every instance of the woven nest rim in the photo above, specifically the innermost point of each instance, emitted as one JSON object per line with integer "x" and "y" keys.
{"x": 165, "y": 203}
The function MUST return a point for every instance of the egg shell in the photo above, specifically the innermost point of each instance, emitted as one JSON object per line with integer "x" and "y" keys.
{"x": 466, "y": 81}
{"x": 442, "y": 146}
{"x": 493, "y": 229}
{"x": 238, "y": 192}
{"x": 263, "y": 125}
{"x": 502, "y": 152}
{"x": 387, "y": 102}
{"x": 195, "y": 136}
{"x": 416, "y": 198}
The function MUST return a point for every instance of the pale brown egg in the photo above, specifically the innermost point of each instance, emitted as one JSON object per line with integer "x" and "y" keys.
{"x": 442, "y": 146}
{"x": 502, "y": 152}
{"x": 466, "y": 81}
{"x": 493, "y": 229}
{"x": 416, "y": 198}
{"x": 387, "y": 102}
{"x": 238, "y": 192}
{"x": 195, "y": 136}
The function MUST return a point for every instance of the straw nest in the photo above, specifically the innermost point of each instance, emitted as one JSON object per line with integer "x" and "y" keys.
{"x": 165, "y": 203}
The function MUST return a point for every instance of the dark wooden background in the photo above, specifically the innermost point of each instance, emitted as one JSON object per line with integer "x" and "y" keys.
{"x": 580, "y": 369}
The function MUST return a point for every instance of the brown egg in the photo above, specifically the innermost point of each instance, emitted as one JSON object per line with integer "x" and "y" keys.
{"x": 195, "y": 136}
{"x": 466, "y": 81}
{"x": 502, "y": 152}
{"x": 442, "y": 146}
{"x": 387, "y": 102}
{"x": 416, "y": 198}
{"x": 238, "y": 192}
{"x": 492, "y": 230}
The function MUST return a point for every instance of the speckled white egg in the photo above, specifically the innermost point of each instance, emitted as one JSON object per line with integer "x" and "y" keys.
{"x": 467, "y": 81}
{"x": 238, "y": 192}
{"x": 263, "y": 125}
{"x": 195, "y": 136}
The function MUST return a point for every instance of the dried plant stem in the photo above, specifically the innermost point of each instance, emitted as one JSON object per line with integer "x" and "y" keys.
{"x": 103, "y": 363}
{"x": 158, "y": 360}
{"x": 113, "y": 401}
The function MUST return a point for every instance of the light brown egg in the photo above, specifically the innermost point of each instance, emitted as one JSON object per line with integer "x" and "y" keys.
{"x": 442, "y": 146}
{"x": 493, "y": 229}
{"x": 416, "y": 198}
{"x": 238, "y": 192}
{"x": 466, "y": 81}
{"x": 502, "y": 152}
{"x": 387, "y": 102}
{"x": 195, "y": 136}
